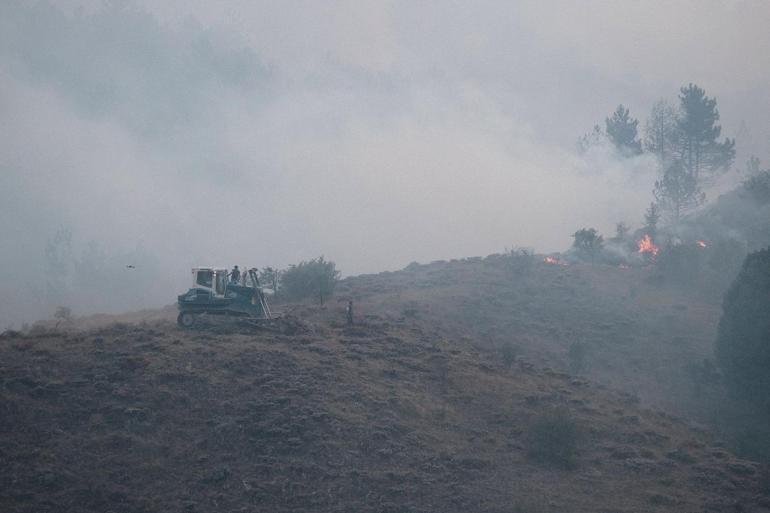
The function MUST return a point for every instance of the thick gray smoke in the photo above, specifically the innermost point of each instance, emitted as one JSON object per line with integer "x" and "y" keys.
{"x": 162, "y": 137}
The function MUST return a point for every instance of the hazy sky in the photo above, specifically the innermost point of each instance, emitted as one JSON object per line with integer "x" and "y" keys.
{"x": 185, "y": 133}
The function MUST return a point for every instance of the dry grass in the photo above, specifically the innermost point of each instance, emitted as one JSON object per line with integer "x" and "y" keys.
{"x": 397, "y": 413}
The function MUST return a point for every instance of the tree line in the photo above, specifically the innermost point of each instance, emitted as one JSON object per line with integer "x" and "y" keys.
{"x": 683, "y": 138}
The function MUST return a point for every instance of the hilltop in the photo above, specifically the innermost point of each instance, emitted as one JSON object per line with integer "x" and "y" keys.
{"x": 411, "y": 409}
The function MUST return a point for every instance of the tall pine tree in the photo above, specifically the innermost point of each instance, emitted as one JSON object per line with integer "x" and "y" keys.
{"x": 699, "y": 149}
{"x": 621, "y": 130}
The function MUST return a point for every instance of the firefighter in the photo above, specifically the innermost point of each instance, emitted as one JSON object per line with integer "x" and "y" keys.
{"x": 349, "y": 311}
{"x": 244, "y": 275}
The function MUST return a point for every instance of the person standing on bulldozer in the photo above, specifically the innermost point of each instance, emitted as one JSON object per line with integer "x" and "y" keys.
{"x": 244, "y": 276}
{"x": 235, "y": 275}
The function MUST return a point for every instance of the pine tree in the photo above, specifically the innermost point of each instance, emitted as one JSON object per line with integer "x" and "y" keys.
{"x": 677, "y": 191}
{"x": 592, "y": 138}
{"x": 621, "y": 130}
{"x": 699, "y": 149}
{"x": 661, "y": 131}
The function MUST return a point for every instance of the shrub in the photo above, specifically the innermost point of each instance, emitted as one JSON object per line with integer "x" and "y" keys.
{"x": 316, "y": 277}
{"x": 588, "y": 243}
{"x": 553, "y": 438}
{"x": 743, "y": 338}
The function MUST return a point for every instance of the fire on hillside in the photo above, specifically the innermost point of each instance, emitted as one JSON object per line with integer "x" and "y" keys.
{"x": 646, "y": 245}
{"x": 553, "y": 261}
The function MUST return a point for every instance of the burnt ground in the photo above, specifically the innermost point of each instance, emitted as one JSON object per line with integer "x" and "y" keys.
{"x": 399, "y": 413}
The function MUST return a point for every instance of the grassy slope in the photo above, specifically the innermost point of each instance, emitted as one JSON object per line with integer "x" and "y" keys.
{"x": 639, "y": 337}
{"x": 406, "y": 411}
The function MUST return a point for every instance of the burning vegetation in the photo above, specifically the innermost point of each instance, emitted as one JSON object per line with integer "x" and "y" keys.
{"x": 646, "y": 245}
{"x": 553, "y": 260}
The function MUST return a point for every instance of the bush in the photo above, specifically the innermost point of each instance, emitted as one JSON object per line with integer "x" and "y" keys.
{"x": 743, "y": 338}
{"x": 519, "y": 260}
{"x": 316, "y": 277}
{"x": 553, "y": 438}
{"x": 588, "y": 243}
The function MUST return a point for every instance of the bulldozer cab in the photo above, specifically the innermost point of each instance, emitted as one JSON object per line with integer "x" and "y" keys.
{"x": 212, "y": 294}
{"x": 213, "y": 280}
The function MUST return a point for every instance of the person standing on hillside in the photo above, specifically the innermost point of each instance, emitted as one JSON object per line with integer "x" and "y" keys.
{"x": 349, "y": 312}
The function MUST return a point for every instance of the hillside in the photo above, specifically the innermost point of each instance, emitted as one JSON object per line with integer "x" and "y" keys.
{"x": 411, "y": 409}
{"x": 636, "y": 334}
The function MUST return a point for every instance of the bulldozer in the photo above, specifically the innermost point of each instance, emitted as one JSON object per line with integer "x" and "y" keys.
{"x": 213, "y": 295}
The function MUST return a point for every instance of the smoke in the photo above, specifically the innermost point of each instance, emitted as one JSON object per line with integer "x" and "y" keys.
{"x": 163, "y": 143}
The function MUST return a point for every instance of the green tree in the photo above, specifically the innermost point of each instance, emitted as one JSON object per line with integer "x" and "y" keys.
{"x": 588, "y": 242}
{"x": 661, "y": 131}
{"x": 677, "y": 192}
{"x": 270, "y": 277}
{"x": 699, "y": 149}
{"x": 317, "y": 277}
{"x": 743, "y": 338}
{"x": 592, "y": 138}
{"x": 621, "y": 130}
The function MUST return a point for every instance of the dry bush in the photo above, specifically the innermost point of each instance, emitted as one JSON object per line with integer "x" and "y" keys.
{"x": 553, "y": 438}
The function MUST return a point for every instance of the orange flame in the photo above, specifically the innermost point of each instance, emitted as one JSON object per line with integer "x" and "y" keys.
{"x": 553, "y": 261}
{"x": 702, "y": 243}
{"x": 647, "y": 246}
